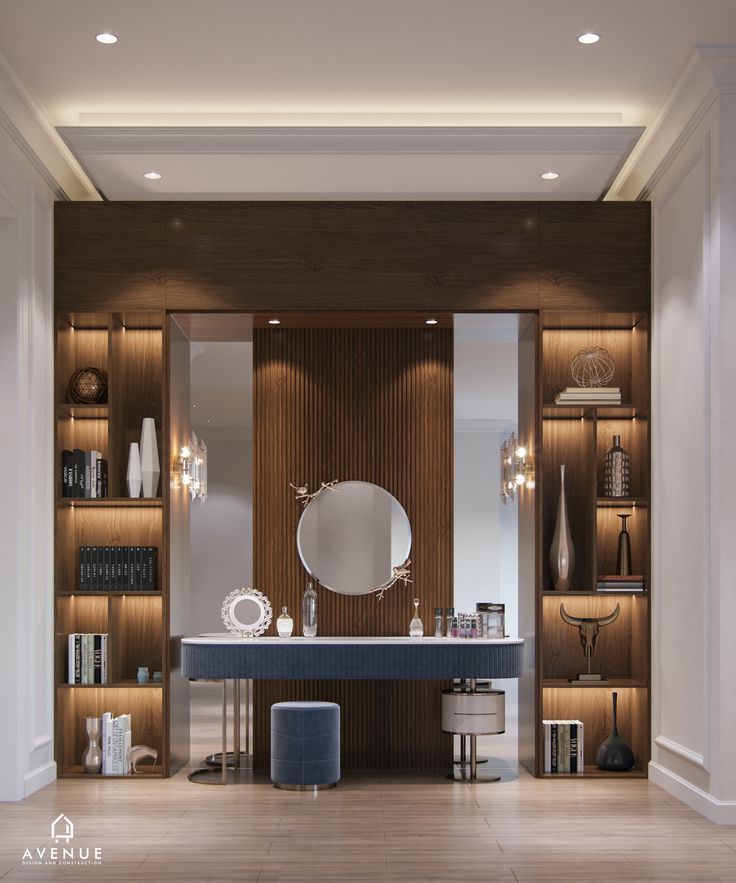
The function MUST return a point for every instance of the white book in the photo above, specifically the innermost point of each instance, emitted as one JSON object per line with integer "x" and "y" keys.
{"x": 547, "y": 746}
{"x": 581, "y": 747}
{"x": 126, "y": 744}
{"x": 589, "y": 389}
{"x": 83, "y": 667}
{"x": 106, "y": 742}
{"x": 104, "y": 659}
{"x": 116, "y": 736}
{"x": 70, "y": 659}
{"x": 90, "y": 658}
{"x": 94, "y": 460}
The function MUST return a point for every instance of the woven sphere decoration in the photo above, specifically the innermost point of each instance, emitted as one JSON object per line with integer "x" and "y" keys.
{"x": 88, "y": 386}
{"x": 593, "y": 366}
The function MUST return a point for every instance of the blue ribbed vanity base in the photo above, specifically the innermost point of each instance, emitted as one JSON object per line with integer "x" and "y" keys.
{"x": 305, "y": 745}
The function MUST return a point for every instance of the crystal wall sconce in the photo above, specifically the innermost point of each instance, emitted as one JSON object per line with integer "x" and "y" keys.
{"x": 517, "y": 470}
{"x": 192, "y": 467}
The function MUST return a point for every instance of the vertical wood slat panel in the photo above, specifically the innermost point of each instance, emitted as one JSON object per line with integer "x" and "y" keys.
{"x": 371, "y": 405}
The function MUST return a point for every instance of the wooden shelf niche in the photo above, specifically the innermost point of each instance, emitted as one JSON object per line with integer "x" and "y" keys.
{"x": 129, "y": 349}
{"x": 579, "y": 437}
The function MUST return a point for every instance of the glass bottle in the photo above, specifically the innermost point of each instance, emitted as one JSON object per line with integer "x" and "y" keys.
{"x": 416, "y": 626}
{"x": 438, "y": 622}
{"x": 309, "y": 612}
{"x": 284, "y": 624}
{"x": 616, "y": 471}
{"x": 449, "y": 616}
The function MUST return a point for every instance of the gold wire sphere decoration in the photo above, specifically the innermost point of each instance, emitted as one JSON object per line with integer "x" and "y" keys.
{"x": 593, "y": 366}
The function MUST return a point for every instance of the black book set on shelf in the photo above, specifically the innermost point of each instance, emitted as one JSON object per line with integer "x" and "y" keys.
{"x": 87, "y": 658}
{"x": 83, "y": 474}
{"x": 118, "y": 568}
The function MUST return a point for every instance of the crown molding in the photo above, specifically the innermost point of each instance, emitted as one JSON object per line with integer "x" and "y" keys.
{"x": 709, "y": 72}
{"x": 383, "y": 140}
{"x": 24, "y": 120}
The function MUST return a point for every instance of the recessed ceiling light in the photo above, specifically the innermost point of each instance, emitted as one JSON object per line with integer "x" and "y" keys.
{"x": 550, "y": 176}
{"x": 588, "y": 39}
{"x": 153, "y": 176}
{"x": 430, "y": 322}
{"x": 274, "y": 321}
{"x": 107, "y": 39}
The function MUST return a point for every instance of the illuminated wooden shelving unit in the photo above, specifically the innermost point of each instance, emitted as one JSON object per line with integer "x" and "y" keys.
{"x": 579, "y": 437}
{"x": 129, "y": 347}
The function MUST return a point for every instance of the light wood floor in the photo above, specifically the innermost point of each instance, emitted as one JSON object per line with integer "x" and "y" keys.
{"x": 390, "y": 828}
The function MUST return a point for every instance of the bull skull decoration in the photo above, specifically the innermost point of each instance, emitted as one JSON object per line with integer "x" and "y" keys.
{"x": 589, "y": 628}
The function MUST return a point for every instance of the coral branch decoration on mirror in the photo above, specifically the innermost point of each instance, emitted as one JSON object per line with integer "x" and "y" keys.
{"x": 355, "y": 540}
{"x": 302, "y": 491}
{"x": 253, "y": 616}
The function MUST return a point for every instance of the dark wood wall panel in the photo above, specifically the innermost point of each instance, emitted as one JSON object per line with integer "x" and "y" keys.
{"x": 458, "y": 256}
{"x": 373, "y": 405}
{"x": 594, "y": 255}
{"x": 110, "y": 255}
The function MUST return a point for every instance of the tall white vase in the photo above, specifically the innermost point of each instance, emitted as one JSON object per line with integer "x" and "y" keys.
{"x": 134, "y": 477}
{"x": 150, "y": 469}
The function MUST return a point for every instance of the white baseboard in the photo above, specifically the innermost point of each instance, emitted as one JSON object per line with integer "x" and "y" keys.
{"x": 39, "y": 778}
{"x": 720, "y": 812}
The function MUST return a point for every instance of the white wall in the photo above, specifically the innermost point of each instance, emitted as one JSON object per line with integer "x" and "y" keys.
{"x": 688, "y": 167}
{"x": 26, "y": 510}
{"x": 221, "y": 531}
{"x": 485, "y": 531}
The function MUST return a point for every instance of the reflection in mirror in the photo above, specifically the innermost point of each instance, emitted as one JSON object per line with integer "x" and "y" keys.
{"x": 247, "y": 611}
{"x": 351, "y": 540}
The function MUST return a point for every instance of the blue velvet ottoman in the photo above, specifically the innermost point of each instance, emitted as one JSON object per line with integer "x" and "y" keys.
{"x": 305, "y": 745}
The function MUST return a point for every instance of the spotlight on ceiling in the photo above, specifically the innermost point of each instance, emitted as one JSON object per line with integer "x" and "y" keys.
{"x": 588, "y": 39}
{"x": 430, "y": 321}
{"x": 550, "y": 176}
{"x": 107, "y": 39}
{"x": 274, "y": 321}
{"x": 153, "y": 176}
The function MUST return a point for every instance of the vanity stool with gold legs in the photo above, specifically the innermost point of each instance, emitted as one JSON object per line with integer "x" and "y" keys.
{"x": 473, "y": 713}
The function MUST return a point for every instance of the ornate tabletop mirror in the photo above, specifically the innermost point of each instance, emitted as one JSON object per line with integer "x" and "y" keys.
{"x": 354, "y": 538}
{"x": 246, "y": 613}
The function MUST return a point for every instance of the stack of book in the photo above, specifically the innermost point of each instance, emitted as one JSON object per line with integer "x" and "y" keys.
{"x": 83, "y": 474}
{"x": 589, "y": 395}
{"x": 615, "y": 583}
{"x": 564, "y": 743}
{"x": 87, "y": 659}
{"x": 116, "y": 742}
{"x": 118, "y": 568}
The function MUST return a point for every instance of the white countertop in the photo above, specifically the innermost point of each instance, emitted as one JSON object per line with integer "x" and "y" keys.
{"x": 398, "y": 640}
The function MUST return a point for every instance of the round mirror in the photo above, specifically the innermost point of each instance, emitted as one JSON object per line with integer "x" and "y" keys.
{"x": 352, "y": 537}
{"x": 246, "y": 613}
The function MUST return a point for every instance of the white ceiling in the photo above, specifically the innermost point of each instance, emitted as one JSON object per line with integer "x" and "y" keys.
{"x": 345, "y": 63}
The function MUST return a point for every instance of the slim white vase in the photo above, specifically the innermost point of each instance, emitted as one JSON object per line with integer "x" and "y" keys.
{"x": 150, "y": 469}
{"x": 134, "y": 471}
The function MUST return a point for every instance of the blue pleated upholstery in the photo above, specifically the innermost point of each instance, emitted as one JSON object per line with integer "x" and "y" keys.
{"x": 305, "y": 743}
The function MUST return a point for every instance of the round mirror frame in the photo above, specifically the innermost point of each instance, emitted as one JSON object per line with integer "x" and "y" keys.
{"x": 400, "y": 571}
{"x": 241, "y": 629}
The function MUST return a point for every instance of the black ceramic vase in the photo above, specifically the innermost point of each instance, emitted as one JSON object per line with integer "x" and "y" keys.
{"x": 614, "y": 754}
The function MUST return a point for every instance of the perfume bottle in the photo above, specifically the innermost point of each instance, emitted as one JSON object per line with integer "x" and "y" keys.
{"x": 416, "y": 626}
{"x": 309, "y": 612}
{"x": 284, "y": 624}
{"x": 438, "y": 622}
{"x": 449, "y": 616}
{"x": 616, "y": 471}
{"x": 454, "y": 630}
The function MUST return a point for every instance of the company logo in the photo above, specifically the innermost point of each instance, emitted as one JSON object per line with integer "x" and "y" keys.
{"x": 62, "y": 829}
